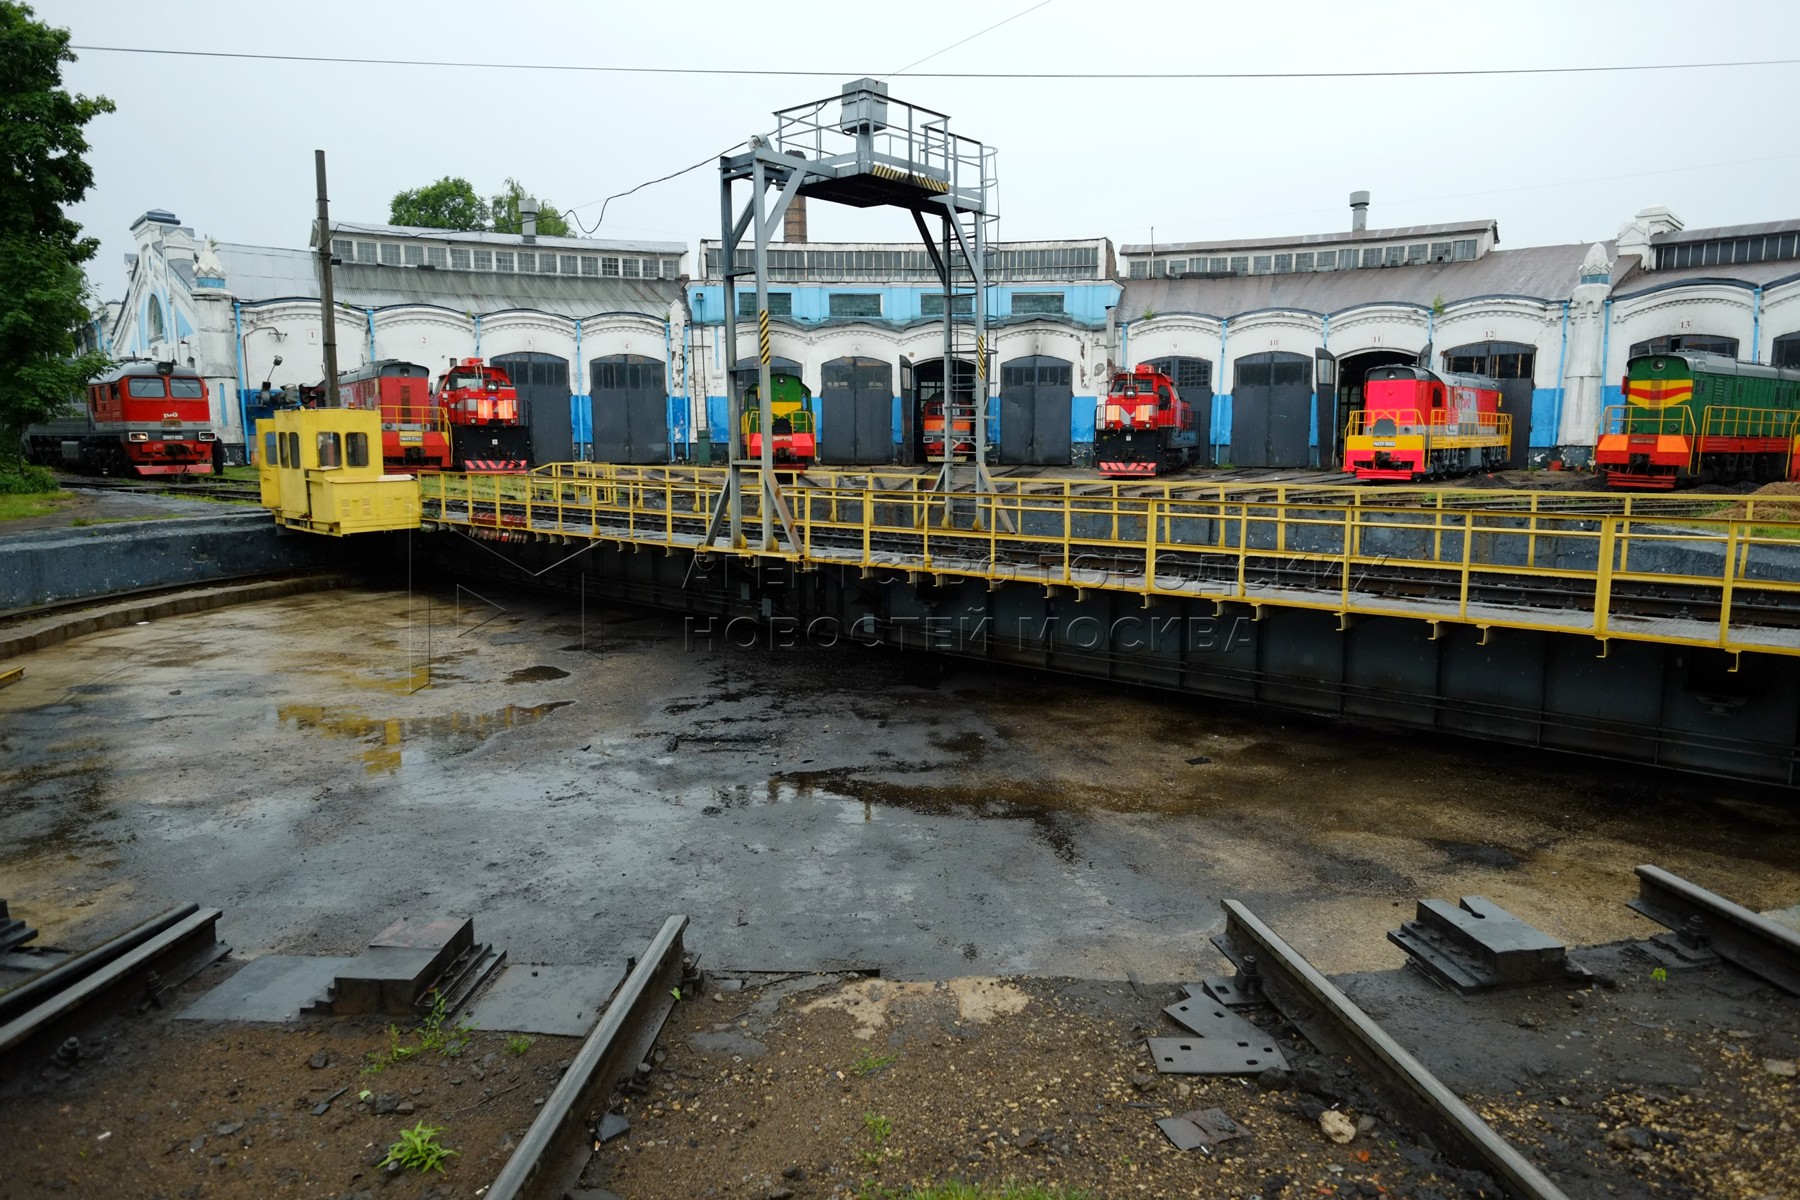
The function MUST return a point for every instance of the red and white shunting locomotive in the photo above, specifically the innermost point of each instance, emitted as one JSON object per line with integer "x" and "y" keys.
{"x": 1144, "y": 427}
{"x": 143, "y": 418}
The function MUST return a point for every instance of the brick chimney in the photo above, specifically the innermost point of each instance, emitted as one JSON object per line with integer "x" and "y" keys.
{"x": 793, "y": 221}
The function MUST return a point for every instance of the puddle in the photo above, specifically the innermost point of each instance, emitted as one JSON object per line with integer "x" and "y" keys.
{"x": 537, "y": 675}
{"x": 387, "y": 737}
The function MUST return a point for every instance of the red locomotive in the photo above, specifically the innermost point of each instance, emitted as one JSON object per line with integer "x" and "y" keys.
{"x": 414, "y": 433}
{"x": 489, "y": 431}
{"x": 1144, "y": 427}
{"x": 1417, "y": 424}
{"x": 143, "y": 418}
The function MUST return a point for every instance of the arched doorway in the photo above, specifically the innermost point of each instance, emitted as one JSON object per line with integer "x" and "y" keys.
{"x": 928, "y": 386}
{"x": 856, "y": 411}
{"x": 542, "y": 381}
{"x": 631, "y": 409}
{"x": 1193, "y": 379}
{"x": 1696, "y": 343}
{"x": 1786, "y": 352}
{"x": 1512, "y": 365}
{"x": 1035, "y": 398}
{"x": 1271, "y": 410}
{"x": 1352, "y": 373}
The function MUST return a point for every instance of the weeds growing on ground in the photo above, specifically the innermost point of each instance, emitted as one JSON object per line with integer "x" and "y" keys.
{"x": 872, "y": 1062}
{"x": 518, "y": 1044}
{"x": 418, "y": 1149}
{"x": 431, "y": 1036}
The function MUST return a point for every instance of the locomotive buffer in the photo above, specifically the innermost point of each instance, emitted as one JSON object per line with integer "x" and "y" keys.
{"x": 862, "y": 149}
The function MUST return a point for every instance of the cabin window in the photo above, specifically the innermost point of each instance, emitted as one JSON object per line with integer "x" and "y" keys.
{"x": 1163, "y": 399}
{"x": 356, "y": 449}
{"x": 331, "y": 450}
{"x": 293, "y": 449}
{"x": 186, "y": 389}
{"x": 271, "y": 452}
{"x": 146, "y": 386}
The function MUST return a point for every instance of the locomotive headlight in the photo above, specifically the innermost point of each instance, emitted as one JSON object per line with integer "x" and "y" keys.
{"x": 137, "y": 437}
{"x": 206, "y": 435}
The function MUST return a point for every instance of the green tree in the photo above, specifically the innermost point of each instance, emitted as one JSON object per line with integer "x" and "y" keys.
{"x": 505, "y": 210}
{"x": 43, "y": 295}
{"x": 450, "y": 203}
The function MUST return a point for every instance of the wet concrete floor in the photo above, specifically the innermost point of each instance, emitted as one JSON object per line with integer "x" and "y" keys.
{"x": 570, "y": 780}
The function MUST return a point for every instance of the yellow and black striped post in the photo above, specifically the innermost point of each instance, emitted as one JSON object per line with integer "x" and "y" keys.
{"x": 762, "y": 335}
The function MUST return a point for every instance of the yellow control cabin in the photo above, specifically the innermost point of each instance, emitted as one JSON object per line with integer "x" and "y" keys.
{"x": 321, "y": 471}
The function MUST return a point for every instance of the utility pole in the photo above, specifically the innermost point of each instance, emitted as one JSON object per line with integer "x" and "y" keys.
{"x": 327, "y": 305}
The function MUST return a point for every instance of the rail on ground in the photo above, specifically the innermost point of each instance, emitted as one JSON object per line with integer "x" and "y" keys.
{"x": 553, "y": 1153}
{"x": 1739, "y": 936}
{"x": 1334, "y": 1023}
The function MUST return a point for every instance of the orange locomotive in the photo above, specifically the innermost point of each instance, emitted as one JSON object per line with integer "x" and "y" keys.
{"x": 1419, "y": 424}
{"x": 414, "y": 433}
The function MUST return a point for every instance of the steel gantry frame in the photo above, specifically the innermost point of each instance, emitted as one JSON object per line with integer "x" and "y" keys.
{"x": 874, "y": 152}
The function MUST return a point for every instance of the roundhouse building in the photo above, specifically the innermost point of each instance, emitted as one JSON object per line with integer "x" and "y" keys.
{"x": 578, "y": 323}
{"x": 861, "y": 323}
{"x": 1283, "y": 331}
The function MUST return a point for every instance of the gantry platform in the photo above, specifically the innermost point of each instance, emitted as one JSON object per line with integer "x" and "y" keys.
{"x": 1688, "y": 570}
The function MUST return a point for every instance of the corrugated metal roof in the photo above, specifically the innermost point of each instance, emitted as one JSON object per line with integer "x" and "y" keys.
{"x": 1725, "y": 231}
{"x": 260, "y": 273}
{"x": 480, "y": 237}
{"x": 1320, "y": 239}
{"x": 1748, "y": 274}
{"x": 1545, "y": 272}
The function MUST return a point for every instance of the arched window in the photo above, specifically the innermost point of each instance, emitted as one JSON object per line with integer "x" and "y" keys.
{"x": 155, "y": 320}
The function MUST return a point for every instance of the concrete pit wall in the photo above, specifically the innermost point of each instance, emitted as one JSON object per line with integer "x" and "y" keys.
{"x": 61, "y": 565}
{"x": 1642, "y": 702}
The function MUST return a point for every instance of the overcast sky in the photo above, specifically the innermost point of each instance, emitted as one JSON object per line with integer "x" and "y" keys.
{"x": 227, "y": 144}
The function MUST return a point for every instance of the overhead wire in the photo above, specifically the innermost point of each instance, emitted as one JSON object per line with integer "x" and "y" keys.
{"x": 788, "y": 72}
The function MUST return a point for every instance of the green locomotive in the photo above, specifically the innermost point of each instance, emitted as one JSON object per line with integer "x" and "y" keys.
{"x": 1692, "y": 417}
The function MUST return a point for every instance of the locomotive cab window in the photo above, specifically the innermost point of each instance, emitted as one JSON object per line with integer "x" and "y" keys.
{"x": 1162, "y": 397}
{"x": 186, "y": 389}
{"x": 271, "y": 453}
{"x": 356, "y": 449}
{"x": 281, "y": 450}
{"x": 292, "y": 458}
{"x": 331, "y": 450}
{"x": 146, "y": 385}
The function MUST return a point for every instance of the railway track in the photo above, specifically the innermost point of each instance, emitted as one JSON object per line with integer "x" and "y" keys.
{"x": 131, "y": 972}
{"x": 189, "y": 489}
{"x": 1702, "y": 922}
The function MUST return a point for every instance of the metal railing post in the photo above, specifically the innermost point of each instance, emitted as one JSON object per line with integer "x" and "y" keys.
{"x": 1609, "y": 532}
{"x": 1727, "y": 582}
